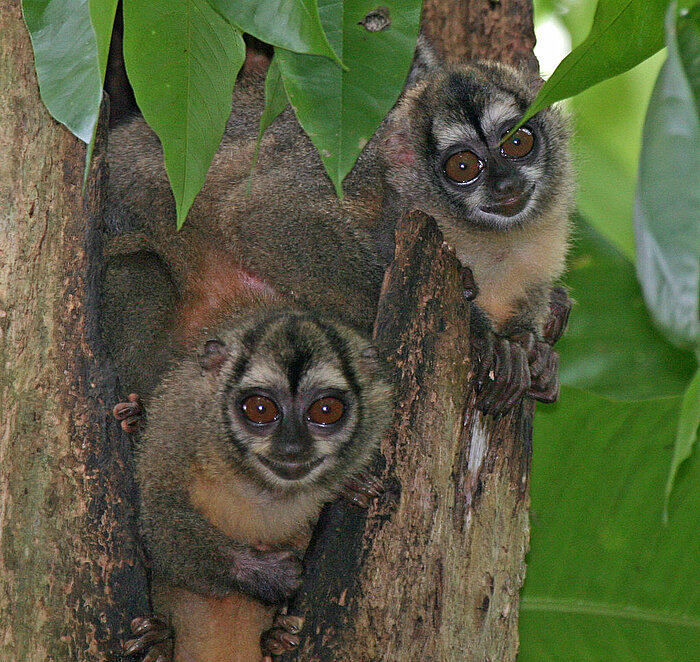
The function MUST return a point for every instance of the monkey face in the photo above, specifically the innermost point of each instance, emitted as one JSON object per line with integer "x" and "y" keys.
{"x": 301, "y": 401}
{"x": 447, "y": 155}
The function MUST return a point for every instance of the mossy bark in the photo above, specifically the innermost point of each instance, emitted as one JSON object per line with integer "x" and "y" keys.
{"x": 70, "y": 575}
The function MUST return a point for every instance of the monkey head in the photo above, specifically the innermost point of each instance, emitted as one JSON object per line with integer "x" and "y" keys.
{"x": 298, "y": 402}
{"x": 445, "y": 154}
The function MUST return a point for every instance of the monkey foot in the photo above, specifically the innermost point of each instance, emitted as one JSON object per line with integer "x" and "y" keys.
{"x": 129, "y": 413}
{"x": 559, "y": 308}
{"x": 153, "y": 637}
{"x": 362, "y": 488}
{"x": 502, "y": 376}
{"x": 283, "y": 636}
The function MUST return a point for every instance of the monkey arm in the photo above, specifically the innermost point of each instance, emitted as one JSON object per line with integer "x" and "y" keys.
{"x": 190, "y": 552}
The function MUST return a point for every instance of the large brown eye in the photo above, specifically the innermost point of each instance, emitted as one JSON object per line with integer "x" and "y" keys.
{"x": 325, "y": 411}
{"x": 519, "y": 144}
{"x": 259, "y": 409}
{"x": 463, "y": 167}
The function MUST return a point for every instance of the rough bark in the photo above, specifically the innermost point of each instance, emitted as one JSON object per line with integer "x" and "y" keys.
{"x": 69, "y": 570}
{"x": 492, "y": 29}
{"x": 434, "y": 570}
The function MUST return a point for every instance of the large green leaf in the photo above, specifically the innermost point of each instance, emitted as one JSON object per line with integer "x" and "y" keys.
{"x": 606, "y": 579}
{"x": 340, "y": 110}
{"x": 291, "y": 24}
{"x": 182, "y": 58}
{"x": 70, "y": 57}
{"x": 686, "y": 435}
{"x": 611, "y": 346}
{"x": 624, "y": 33}
{"x": 667, "y": 216}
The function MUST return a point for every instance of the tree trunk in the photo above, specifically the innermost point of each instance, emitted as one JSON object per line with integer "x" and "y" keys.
{"x": 70, "y": 576}
{"x": 433, "y": 572}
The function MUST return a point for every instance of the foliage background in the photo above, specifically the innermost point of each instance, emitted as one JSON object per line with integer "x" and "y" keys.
{"x": 607, "y": 578}
{"x": 613, "y": 571}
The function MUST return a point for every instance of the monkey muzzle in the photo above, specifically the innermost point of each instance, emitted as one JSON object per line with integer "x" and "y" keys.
{"x": 511, "y": 202}
{"x": 289, "y": 469}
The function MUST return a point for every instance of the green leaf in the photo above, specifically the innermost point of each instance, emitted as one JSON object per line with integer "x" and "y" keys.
{"x": 182, "y": 59}
{"x": 606, "y": 580}
{"x": 611, "y": 346}
{"x": 340, "y": 110}
{"x": 67, "y": 59}
{"x": 102, "y": 14}
{"x": 623, "y": 34}
{"x": 668, "y": 200}
{"x": 291, "y": 24}
{"x": 275, "y": 102}
{"x": 686, "y": 435}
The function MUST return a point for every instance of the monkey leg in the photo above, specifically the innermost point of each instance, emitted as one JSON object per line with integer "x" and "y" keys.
{"x": 282, "y": 636}
{"x": 129, "y": 413}
{"x": 362, "y": 488}
{"x": 208, "y": 629}
{"x": 152, "y": 636}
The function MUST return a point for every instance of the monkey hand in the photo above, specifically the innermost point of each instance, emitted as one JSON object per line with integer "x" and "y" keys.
{"x": 362, "y": 488}
{"x": 502, "y": 372}
{"x": 153, "y": 637}
{"x": 269, "y": 576}
{"x": 129, "y": 413}
{"x": 283, "y": 636}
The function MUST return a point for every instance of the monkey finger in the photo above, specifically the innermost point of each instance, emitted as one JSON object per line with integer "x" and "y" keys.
{"x": 131, "y": 424}
{"x": 546, "y": 387}
{"x": 560, "y": 305}
{"x": 277, "y": 641}
{"x": 290, "y": 623}
{"x": 140, "y": 625}
{"x": 539, "y": 358}
{"x": 146, "y": 640}
{"x": 493, "y": 391}
{"x": 362, "y": 488}
{"x": 520, "y": 380}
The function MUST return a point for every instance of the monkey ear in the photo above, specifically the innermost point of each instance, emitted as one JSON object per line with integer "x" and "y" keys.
{"x": 213, "y": 356}
{"x": 425, "y": 59}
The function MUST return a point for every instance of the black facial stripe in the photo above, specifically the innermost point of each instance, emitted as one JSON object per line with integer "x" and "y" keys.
{"x": 340, "y": 347}
{"x": 469, "y": 102}
{"x": 301, "y": 359}
{"x": 249, "y": 341}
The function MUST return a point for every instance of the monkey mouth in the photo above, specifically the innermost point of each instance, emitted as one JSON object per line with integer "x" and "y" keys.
{"x": 510, "y": 205}
{"x": 289, "y": 470}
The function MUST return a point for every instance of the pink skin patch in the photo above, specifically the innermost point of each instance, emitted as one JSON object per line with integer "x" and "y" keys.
{"x": 396, "y": 149}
